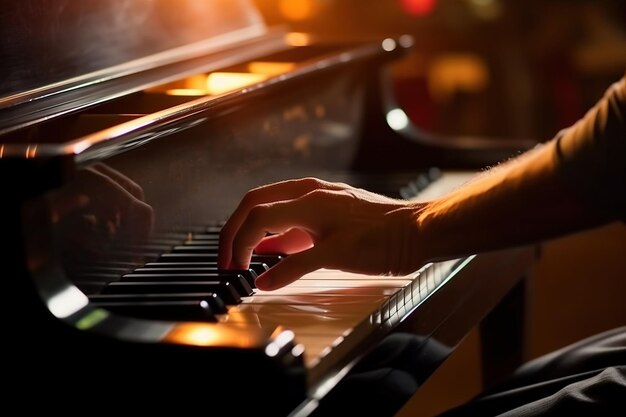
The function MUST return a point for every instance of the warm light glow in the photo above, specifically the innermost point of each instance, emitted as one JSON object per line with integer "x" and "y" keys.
{"x": 397, "y": 119}
{"x": 270, "y": 68}
{"x": 186, "y": 92}
{"x": 450, "y": 73}
{"x": 298, "y": 39}
{"x": 298, "y": 9}
{"x": 67, "y": 302}
{"x": 418, "y": 7}
{"x": 486, "y": 9}
{"x": 210, "y": 334}
{"x": 222, "y": 82}
{"x": 1, "y": 151}
{"x": 200, "y": 336}
{"x": 197, "y": 82}
{"x": 31, "y": 151}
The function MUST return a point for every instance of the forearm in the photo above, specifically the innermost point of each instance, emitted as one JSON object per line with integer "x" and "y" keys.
{"x": 518, "y": 202}
{"x": 570, "y": 184}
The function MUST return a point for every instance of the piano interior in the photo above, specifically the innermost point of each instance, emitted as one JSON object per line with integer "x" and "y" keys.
{"x": 129, "y": 132}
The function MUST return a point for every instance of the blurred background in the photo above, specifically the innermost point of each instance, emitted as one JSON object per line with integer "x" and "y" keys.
{"x": 502, "y": 68}
{"x": 521, "y": 68}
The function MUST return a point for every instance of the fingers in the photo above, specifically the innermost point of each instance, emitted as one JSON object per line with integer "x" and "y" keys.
{"x": 290, "y": 269}
{"x": 111, "y": 199}
{"x": 281, "y": 191}
{"x": 292, "y": 241}
{"x": 129, "y": 185}
{"x": 276, "y": 217}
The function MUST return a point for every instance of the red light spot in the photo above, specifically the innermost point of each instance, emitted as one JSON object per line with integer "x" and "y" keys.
{"x": 418, "y": 7}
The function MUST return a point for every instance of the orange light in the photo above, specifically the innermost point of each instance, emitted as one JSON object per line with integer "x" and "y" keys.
{"x": 418, "y": 7}
{"x": 298, "y": 39}
{"x": 450, "y": 73}
{"x": 222, "y": 82}
{"x": 31, "y": 151}
{"x": 185, "y": 92}
{"x": 298, "y": 9}
{"x": 270, "y": 68}
{"x": 208, "y": 334}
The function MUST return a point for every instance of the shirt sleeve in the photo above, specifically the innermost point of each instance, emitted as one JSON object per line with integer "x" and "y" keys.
{"x": 592, "y": 154}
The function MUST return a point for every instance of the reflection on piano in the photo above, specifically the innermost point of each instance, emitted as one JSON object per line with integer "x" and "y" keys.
{"x": 129, "y": 131}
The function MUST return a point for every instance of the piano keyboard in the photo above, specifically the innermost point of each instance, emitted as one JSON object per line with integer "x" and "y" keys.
{"x": 330, "y": 312}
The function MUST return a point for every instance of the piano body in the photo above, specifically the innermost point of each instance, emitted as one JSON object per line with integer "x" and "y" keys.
{"x": 130, "y": 130}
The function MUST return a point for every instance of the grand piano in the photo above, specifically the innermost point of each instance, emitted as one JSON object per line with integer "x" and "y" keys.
{"x": 129, "y": 130}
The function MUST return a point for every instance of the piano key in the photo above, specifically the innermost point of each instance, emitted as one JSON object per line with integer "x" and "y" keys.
{"x": 270, "y": 260}
{"x": 215, "y": 302}
{"x": 201, "y": 242}
{"x": 320, "y": 300}
{"x": 257, "y": 267}
{"x": 350, "y": 283}
{"x": 161, "y": 310}
{"x": 376, "y": 291}
{"x": 249, "y": 274}
{"x": 98, "y": 277}
{"x": 309, "y": 324}
{"x": 225, "y": 290}
{"x": 213, "y": 237}
{"x": 359, "y": 305}
{"x": 237, "y": 280}
{"x": 195, "y": 248}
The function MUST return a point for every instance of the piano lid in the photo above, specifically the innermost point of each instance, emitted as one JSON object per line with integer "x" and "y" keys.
{"x": 47, "y": 45}
{"x": 60, "y": 57}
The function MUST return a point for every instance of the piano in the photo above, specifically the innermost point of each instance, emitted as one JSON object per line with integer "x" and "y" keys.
{"x": 129, "y": 130}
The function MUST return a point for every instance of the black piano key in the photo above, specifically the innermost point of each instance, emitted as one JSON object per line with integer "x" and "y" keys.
{"x": 237, "y": 280}
{"x": 195, "y": 249}
{"x": 213, "y": 237}
{"x": 98, "y": 277}
{"x": 257, "y": 267}
{"x": 201, "y": 242}
{"x": 215, "y": 302}
{"x": 156, "y": 268}
{"x": 270, "y": 260}
{"x": 225, "y": 290}
{"x": 162, "y": 310}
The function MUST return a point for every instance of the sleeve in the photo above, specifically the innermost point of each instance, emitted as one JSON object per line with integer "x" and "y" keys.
{"x": 592, "y": 154}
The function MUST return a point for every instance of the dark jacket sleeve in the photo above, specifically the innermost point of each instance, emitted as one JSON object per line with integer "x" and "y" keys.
{"x": 592, "y": 154}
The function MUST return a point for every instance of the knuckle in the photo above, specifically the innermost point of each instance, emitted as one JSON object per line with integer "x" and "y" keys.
{"x": 311, "y": 183}
{"x": 256, "y": 215}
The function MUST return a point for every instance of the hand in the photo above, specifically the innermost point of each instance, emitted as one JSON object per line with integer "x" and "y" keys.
{"x": 100, "y": 208}
{"x": 321, "y": 224}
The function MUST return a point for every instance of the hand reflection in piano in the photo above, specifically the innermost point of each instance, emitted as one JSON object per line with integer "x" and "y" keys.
{"x": 319, "y": 224}
{"x": 102, "y": 207}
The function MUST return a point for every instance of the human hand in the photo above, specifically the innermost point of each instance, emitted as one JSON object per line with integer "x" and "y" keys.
{"x": 98, "y": 209}
{"x": 321, "y": 224}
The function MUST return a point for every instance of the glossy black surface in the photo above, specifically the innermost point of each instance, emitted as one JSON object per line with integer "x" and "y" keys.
{"x": 48, "y": 41}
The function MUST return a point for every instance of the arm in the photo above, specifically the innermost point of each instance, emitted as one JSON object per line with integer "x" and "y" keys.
{"x": 539, "y": 195}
